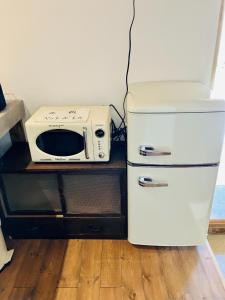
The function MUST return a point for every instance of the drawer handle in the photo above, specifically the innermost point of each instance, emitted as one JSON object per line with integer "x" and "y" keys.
{"x": 34, "y": 228}
{"x": 95, "y": 228}
{"x": 148, "y": 182}
{"x": 150, "y": 151}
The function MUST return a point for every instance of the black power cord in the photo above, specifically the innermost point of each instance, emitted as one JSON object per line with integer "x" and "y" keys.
{"x": 117, "y": 133}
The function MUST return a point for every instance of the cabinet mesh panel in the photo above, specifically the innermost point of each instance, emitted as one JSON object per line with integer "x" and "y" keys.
{"x": 92, "y": 194}
{"x": 32, "y": 192}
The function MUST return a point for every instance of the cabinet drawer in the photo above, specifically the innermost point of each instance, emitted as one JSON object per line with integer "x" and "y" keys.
{"x": 111, "y": 227}
{"x": 34, "y": 227}
{"x": 175, "y": 138}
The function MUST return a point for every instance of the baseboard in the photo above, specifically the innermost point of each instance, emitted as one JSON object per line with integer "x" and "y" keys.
{"x": 216, "y": 226}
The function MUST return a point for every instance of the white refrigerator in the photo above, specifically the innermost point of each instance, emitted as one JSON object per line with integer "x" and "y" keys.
{"x": 175, "y": 135}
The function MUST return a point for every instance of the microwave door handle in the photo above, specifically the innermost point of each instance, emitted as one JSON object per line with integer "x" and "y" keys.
{"x": 150, "y": 151}
{"x": 148, "y": 182}
{"x": 85, "y": 142}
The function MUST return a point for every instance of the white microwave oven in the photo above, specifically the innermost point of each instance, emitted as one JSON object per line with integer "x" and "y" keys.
{"x": 69, "y": 134}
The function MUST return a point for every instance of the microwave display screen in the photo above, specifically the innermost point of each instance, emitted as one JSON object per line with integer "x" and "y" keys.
{"x": 60, "y": 142}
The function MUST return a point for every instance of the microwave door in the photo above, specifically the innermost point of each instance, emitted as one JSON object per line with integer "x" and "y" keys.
{"x": 62, "y": 142}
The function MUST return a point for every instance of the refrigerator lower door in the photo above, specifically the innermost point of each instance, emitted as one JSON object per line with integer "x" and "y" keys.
{"x": 169, "y": 206}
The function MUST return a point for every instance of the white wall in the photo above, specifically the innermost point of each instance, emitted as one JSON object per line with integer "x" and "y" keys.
{"x": 75, "y": 51}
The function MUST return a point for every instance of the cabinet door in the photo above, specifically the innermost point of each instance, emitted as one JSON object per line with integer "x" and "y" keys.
{"x": 169, "y": 206}
{"x": 175, "y": 138}
{"x": 31, "y": 193}
{"x": 92, "y": 193}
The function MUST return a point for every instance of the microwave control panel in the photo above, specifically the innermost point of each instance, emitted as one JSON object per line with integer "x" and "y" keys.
{"x": 99, "y": 133}
{"x": 101, "y": 140}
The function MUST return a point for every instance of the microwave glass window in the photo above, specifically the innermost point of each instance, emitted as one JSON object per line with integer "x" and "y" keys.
{"x": 60, "y": 142}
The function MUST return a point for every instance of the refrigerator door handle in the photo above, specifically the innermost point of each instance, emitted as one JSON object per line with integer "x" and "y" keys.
{"x": 148, "y": 182}
{"x": 150, "y": 151}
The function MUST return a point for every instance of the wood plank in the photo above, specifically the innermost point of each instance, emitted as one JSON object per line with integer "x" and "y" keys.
{"x": 152, "y": 274}
{"x": 111, "y": 293}
{"x": 197, "y": 284}
{"x": 31, "y": 263}
{"x": 169, "y": 273}
{"x": 9, "y": 274}
{"x": 72, "y": 264}
{"x": 210, "y": 271}
{"x": 111, "y": 264}
{"x": 66, "y": 294}
{"x": 50, "y": 271}
{"x": 90, "y": 270}
{"x": 132, "y": 279}
{"x": 21, "y": 294}
{"x": 174, "y": 275}
{"x": 217, "y": 248}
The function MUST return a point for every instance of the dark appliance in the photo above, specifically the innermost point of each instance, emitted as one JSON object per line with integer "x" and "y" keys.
{"x": 2, "y": 99}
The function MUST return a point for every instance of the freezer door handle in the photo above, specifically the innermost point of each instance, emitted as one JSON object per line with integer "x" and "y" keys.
{"x": 148, "y": 182}
{"x": 150, "y": 151}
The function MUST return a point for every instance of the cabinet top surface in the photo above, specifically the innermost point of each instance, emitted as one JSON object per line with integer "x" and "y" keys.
{"x": 18, "y": 159}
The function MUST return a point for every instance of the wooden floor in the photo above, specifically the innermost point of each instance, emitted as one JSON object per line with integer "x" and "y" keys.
{"x": 105, "y": 270}
{"x": 217, "y": 243}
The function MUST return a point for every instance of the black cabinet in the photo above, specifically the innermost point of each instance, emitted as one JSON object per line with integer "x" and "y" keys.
{"x": 63, "y": 199}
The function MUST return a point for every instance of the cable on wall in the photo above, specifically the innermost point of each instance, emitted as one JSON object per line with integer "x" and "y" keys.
{"x": 118, "y": 133}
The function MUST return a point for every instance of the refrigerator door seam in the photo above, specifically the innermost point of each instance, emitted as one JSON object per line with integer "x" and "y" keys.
{"x": 172, "y": 166}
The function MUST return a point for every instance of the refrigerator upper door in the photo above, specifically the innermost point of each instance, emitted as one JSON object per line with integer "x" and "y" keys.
{"x": 175, "y": 138}
{"x": 169, "y": 206}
